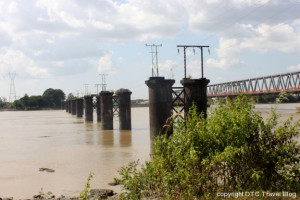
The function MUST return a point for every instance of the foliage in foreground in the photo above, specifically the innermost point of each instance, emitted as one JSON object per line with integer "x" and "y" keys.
{"x": 84, "y": 194}
{"x": 233, "y": 149}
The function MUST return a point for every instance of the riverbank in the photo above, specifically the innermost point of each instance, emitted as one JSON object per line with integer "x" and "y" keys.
{"x": 93, "y": 194}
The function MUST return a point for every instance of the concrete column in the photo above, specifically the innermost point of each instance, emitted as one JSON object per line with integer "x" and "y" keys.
{"x": 67, "y": 106}
{"x": 63, "y": 105}
{"x": 88, "y": 102}
{"x": 124, "y": 109}
{"x": 70, "y": 106}
{"x": 98, "y": 106}
{"x": 73, "y": 107}
{"x": 79, "y": 107}
{"x": 160, "y": 105}
{"x": 195, "y": 92}
{"x": 106, "y": 110}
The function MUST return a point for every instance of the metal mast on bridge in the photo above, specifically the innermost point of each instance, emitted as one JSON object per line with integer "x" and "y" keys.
{"x": 184, "y": 52}
{"x": 154, "y": 58}
{"x": 103, "y": 82}
{"x": 86, "y": 89}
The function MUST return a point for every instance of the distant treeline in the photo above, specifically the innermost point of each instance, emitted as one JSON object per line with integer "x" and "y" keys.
{"x": 268, "y": 98}
{"x": 51, "y": 98}
{"x": 271, "y": 98}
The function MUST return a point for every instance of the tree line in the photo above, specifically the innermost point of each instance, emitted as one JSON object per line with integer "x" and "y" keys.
{"x": 51, "y": 98}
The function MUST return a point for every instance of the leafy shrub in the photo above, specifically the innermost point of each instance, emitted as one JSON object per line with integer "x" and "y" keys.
{"x": 233, "y": 149}
{"x": 84, "y": 194}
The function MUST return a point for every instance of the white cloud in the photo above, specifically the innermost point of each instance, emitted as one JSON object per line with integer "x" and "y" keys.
{"x": 105, "y": 64}
{"x": 167, "y": 65}
{"x": 13, "y": 7}
{"x": 71, "y": 32}
{"x": 293, "y": 68}
{"x": 261, "y": 39}
{"x": 243, "y": 26}
{"x": 17, "y": 61}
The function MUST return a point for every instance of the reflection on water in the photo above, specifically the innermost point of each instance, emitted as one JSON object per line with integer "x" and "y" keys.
{"x": 73, "y": 148}
{"x": 125, "y": 138}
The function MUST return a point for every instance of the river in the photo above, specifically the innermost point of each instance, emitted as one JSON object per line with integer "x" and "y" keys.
{"x": 30, "y": 140}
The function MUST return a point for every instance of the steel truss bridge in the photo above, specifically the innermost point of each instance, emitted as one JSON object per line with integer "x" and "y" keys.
{"x": 289, "y": 82}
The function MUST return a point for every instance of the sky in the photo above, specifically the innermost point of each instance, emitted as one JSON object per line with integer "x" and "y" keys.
{"x": 65, "y": 44}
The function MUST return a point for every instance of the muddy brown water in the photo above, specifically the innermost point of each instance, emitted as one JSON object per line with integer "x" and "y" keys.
{"x": 30, "y": 140}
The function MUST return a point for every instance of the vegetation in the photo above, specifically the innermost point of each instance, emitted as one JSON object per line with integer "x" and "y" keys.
{"x": 267, "y": 98}
{"x": 51, "y": 98}
{"x": 70, "y": 96}
{"x": 84, "y": 195}
{"x": 4, "y": 104}
{"x": 271, "y": 98}
{"x": 231, "y": 150}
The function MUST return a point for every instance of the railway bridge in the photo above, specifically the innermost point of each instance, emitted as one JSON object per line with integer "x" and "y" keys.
{"x": 289, "y": 82}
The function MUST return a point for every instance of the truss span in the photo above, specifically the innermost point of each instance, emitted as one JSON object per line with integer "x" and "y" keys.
{"x": 289, "y": 82}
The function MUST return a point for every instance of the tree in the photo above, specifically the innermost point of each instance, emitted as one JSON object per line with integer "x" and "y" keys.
{"x": 36, "y": 102}
{"x": 53, "y": 97}
{"x": 70, "y": 96}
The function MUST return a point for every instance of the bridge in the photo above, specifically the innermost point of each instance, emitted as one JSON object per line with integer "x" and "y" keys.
{"x": 289, "y": 82}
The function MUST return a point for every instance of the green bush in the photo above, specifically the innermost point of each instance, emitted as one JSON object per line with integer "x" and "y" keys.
{"x": 233, "y": 149}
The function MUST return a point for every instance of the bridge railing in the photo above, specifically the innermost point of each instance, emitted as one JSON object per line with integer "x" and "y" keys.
{"x": 289, "y": 82}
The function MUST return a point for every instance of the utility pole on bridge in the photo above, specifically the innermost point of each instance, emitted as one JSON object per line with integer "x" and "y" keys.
{"x": 86, "y": 89}
{"x": 184, "y": 52}
{"x": 103, "y": 82}
{"x": 154, "y": 59}
{"x": 97, "y": 86}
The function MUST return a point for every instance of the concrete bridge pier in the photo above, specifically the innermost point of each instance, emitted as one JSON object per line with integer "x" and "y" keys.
{"x": 160, "y": 106}
{"x": 63, "y": 105}
{"x": 98, "y": 106}
{"x": 70, "y": 106}
{"x": 66, "y": 106}
{"x": 106, "y": 110}
{"x": 195, "y": 92}
{"x": 79, "y": 107}
{"x": 124, "y": 109}
{"x": 88, "y": 102}
{"x": 73, "y": 107}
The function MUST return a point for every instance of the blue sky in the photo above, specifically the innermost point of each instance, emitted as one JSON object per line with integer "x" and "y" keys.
{"x": 66, "y": 43}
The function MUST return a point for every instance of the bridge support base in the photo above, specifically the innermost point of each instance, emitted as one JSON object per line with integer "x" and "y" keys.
{"x": 160, "y": 106}
{"x": 66, "y": 106}
{"x": 195, "y": 92}
{"x": 79, "y": 107}
{"x": 88, "y": 109}
{"x": 98, "y": 107}
{"x": 70, "y": 106}
{"x": 124, "y": 109}
{"x": 73, "y": 107}
{"x": 106, "y": 110}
